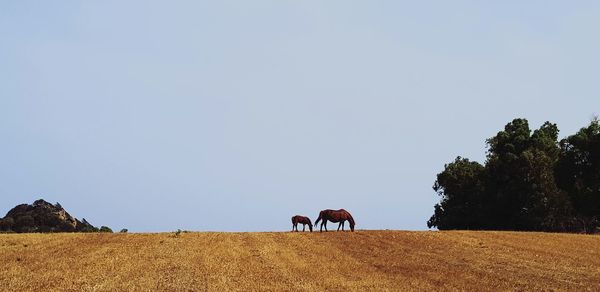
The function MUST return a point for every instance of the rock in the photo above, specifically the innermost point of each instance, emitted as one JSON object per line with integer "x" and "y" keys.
{"x": 42, "y": 216}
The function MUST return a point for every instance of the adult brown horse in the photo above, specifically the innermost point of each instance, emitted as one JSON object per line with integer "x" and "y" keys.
{"x": 335, "y": 216}
{"x": 302, "y": 220}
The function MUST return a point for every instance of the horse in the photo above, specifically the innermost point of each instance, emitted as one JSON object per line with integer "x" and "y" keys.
{"x": 303, "y": 220}
{"x": 335, "y": 216}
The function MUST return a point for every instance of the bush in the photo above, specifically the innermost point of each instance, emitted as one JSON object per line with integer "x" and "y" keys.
{"x": 124, "y": 230}
{"x": 105, "y": 229}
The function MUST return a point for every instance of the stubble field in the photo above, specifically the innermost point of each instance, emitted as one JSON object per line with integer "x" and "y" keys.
{"x": 363, "y": 260}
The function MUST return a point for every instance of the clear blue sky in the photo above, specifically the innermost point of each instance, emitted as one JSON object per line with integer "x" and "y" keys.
{"x": 234, "y": 116}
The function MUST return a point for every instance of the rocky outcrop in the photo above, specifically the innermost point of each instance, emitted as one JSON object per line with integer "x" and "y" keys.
{"x": 42, "y": 216}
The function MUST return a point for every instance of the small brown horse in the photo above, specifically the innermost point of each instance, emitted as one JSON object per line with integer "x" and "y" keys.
{"x": 302, "y": 220}
{"x": 335, "y": 216}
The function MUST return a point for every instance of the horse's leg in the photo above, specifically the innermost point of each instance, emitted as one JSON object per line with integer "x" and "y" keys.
{"x": 325, "y": 225}
{"x": 303, "y": 227}
{"x": 343, "y": 225}
{"x": 339, "y": 225}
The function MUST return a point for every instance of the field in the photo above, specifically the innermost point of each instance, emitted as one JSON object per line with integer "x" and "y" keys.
{"x": 363, "y": 260}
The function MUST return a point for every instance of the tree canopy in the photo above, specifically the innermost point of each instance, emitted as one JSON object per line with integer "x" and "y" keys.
{"x": 530, "y": 181}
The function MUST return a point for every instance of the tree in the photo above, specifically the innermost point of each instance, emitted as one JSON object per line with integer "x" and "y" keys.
{"x": 521, "y": 172}
{"x": 461, "y": 187}
{"x": 515, "y": 190}
{"x": 578, "y": 173}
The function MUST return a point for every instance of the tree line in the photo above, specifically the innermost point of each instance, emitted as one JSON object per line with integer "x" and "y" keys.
{"x": 530, "y": 181}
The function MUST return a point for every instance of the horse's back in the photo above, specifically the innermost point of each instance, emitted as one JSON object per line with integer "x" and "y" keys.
{"x": 334, "y": 211}
{"x": 342, "y": 214}
{"x": 304, "y": 219}
{"x": 300, "y": 219}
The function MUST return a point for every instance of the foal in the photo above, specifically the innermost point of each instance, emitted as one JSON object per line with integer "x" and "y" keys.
{"x": 302, "y": 220}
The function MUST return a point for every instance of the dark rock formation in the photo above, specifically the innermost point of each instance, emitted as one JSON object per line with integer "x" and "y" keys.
{"x": 42, "y": 216}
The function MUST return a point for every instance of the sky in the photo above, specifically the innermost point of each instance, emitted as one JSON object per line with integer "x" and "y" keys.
{"x": 237, "y": 115}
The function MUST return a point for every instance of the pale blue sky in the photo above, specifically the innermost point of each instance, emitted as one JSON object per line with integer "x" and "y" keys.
{"x": 234, "y": 116}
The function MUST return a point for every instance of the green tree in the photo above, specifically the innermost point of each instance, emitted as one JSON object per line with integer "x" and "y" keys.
{"x": 522, "y": 187}
{"x": 461, "y": 189}
{"x": 578, "y": 173}
{"x": 515, "y": 190}
{"x": 507, "y": 191}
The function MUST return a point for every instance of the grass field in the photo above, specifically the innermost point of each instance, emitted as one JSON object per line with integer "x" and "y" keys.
{"x": 363, "y": 260}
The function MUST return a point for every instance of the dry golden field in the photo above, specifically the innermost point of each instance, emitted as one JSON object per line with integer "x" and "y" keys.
{"x": 363, "y": 260}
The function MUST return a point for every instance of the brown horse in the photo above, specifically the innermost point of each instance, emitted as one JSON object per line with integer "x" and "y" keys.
{"x": 302, "y": 220}
{"x": 335, "y": 216}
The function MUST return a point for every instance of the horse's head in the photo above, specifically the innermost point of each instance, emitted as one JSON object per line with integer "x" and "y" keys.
{"x": 351, "y": 221}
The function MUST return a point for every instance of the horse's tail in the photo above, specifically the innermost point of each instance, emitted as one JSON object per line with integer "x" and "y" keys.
{"x": 318, "y": 219}
{"x": 352, "y": 223}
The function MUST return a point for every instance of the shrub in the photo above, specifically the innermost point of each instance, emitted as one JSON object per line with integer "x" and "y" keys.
{"x": 105, "y": 229}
